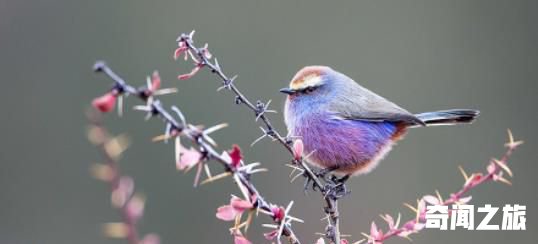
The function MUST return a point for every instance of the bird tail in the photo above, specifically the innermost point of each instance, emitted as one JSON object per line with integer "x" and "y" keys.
{"x": 448, "y": 117}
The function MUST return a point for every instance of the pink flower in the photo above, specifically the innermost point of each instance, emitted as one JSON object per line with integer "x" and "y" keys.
{"x": 188, "y": 158}
{"x": 389, "y": 220}
{"x": 122, "y": 191}
{"x": 298, "y": 148}
{"x": 240, "y": 239}
{"x": 278, "y": 213}
{"x": 106, "y": 102}
{"x": 320, "y": 241}
{"x": 375, "y": 233}
{"x": 155, "y": 82}
{"x": 192, "y": 73}
{"x": 474, "y": 180}
{"x": 235, "y": 156}
{"x": 271, "y": 235}
{"x": 182, "y": 48}
{"x": 135, "y": 208}
{"x": 236, "y": 207}
{"x": 151, "y": 239}
{"x": 431, "y": 200}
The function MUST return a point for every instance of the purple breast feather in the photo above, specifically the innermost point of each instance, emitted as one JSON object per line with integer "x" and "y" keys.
{"x": 349, "y": 144}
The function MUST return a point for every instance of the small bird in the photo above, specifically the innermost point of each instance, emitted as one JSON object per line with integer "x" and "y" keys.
{"x": 347, "y": 129}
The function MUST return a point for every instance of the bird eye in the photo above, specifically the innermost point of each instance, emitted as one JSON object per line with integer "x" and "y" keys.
{"x": 309, "y": 90}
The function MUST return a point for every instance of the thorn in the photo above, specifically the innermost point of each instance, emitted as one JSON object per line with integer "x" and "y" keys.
{"x": 259, "y": 138}
{"x": 167, "y": 132}
{"x": 217, "y": 66}
{"x": 191, "y": 35}
{"x": 216, "y": 177}
{"x": 177, "y": 143}
{"x": 160, "y": 138}
{"x": 410, "y": 207}
{"x": 398, "y": 221}
{"x": 465, "y": 176}
{"x": 511, "y": 143}
{"x": 439, "y": 196}
{"x": 148, "y": 83}
{"x": 504, "y": 180}
{"x": 180, "y": 115}
{"x": 504, "y": 167}
{"x": 165, "y": 91}
{"x": 207, "y": 171}
{"x": 215, "y": 128}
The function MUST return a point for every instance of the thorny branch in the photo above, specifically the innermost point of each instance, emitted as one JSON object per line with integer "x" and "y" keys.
{"x": 330, "y": 192}
{"x": 129, "y": 203}
{"x": 494, "y": 172}
{"x": 176, "y": 126}
{"x": 174, "y": 129}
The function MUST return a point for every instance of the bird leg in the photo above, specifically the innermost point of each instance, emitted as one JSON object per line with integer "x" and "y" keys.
{"x": 322, "y": 173}
{"x": 335, "y": 188}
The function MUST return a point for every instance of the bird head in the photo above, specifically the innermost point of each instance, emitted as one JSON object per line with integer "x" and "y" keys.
{"x": 308, "y": 82}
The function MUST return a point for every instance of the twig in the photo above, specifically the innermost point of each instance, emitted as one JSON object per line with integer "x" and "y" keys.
{"x": 130, "y": 204}
{"x": 201, "y": 58}
{"x": 494, "y": 172}
{"x": 199, "y": 137}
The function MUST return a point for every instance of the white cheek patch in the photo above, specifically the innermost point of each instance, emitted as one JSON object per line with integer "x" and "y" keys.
{"x": 307, "y": 81}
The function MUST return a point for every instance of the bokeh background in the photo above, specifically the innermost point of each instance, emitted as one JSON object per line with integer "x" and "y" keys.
{"x": 423, "y": 55}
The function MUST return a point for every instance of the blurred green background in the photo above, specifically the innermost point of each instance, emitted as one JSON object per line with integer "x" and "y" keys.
{"x": 423, "y": 55}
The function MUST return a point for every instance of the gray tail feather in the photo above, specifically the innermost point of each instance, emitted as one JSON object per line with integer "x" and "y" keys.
{"x": 448, "y": 117}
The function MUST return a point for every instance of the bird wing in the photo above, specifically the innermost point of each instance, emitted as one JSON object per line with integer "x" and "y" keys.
{"x": 359, "y": 103}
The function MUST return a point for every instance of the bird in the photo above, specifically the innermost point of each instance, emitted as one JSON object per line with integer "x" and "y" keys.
{"x": 347, "y": 129}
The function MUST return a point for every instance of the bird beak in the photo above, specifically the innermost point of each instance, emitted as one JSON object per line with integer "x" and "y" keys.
{"x": 287, "y": 91}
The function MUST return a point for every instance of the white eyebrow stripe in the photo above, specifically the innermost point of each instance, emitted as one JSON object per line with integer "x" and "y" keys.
{"x": 308, "y": 81}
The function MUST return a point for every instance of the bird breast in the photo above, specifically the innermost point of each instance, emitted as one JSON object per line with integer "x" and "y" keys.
{"x": 351, "y": 145}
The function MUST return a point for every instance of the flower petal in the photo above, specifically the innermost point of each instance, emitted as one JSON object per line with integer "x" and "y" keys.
{"x": 226, "y": 213}
{"x": 105, "y": 103}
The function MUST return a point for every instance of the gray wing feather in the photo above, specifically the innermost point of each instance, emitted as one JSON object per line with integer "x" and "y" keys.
{"x": 359, "y": 103}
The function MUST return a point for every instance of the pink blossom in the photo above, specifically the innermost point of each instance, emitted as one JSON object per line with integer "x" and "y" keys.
{"x": 389, "y": 220}
{"x": 235, "y": 156}
{"x": 271, "y": 235}
{"x": 195, "y": 70}
{"x": 155, "y": 82}
{"x": 151, "y": 239}
{"x": 236, "y": 207}
{"x": 135, "y": 208}
{"x": 431, "y": 200}
{"x": 375, "y": 233}
{"x": 320, "y": 241}
{"x": 188, "y": 158}
{"x": 278, "y": 213}
{"x": 106, "y": 102}
{"x": 473, "y": 180}
{"x": 298, "y": 149}
{"x": 180, "y": 50}
{"x": 240, "y": 239}
{"x": 123, "y": 191}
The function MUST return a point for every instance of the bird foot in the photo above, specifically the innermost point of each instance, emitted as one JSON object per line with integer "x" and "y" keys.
{"x": 336, "y": 188}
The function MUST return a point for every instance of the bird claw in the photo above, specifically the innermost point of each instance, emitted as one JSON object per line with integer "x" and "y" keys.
{"x": 335, "y": 188}
{"x": 323, "y": 173}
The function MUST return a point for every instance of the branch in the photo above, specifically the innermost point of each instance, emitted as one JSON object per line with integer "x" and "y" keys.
{"x": 201, "y": 57}
{"x": 129, "y": 203}
{"x": 494, "y": 172}
{"x": 177, "y": 127}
